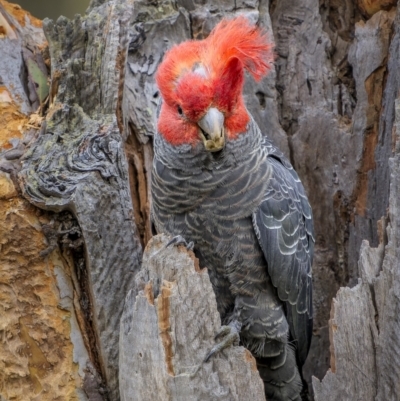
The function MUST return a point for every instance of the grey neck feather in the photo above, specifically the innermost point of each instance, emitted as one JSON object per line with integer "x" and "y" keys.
{"x": 185, "y": 177}
{"x": 189, "y": 158}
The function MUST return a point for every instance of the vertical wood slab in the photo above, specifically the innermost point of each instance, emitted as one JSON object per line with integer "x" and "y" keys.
{"x": 376, "y": 87}
{"x": 44, "y": 353}
{"x": 167, "y": 328}
{"x": 365, "y": 323}
{"x": 387, "y": 286}
{"x": 352, "y": 375}
{"x": 78, "y": 164}
{"x": 331, "y": 111}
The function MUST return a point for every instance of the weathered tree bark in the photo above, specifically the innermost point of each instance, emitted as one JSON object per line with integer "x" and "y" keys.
{"x": 75, "y": 175}
{"x": 76, "y": 167}
{"x": 78, "y": 164}
{"x": 364, "y": 325}
{"x": 168, "y": 327}
{"x": 42, "y": 351}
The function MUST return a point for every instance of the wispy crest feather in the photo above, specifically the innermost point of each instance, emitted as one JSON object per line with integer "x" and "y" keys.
{"x": 231, "y": 38}
{"x": 238, "y": 38}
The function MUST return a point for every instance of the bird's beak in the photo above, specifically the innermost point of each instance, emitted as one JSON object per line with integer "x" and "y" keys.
{"x": 212, "y": 130}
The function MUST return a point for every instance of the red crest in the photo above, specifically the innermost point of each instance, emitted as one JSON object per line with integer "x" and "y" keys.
{"x": 196, "y": 75}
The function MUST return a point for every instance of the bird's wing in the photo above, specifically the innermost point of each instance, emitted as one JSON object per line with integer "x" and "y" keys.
{"x": 284, "y": 226}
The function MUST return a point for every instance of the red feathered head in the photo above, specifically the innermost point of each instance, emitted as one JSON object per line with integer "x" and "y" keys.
{"x": 198, "y": 75}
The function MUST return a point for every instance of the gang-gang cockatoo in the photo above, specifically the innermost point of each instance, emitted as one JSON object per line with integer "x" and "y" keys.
{"x": 220, "y": 183}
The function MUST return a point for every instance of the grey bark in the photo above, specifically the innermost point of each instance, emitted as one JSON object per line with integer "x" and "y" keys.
{"x": 364, "y": 325}
{"x": 168, "y": 327}
{"x": 78, "y": 164}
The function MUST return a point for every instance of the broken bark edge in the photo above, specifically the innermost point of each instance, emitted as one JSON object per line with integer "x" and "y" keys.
{"x": 164, "y": 342}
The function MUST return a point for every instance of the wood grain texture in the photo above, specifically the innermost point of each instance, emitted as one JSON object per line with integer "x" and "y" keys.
{"x": 365, "y": 319}
{"x": 167, "y": 328}
{"x": 372, "y": 122}
{"x": 78, "y": 163}
{"x": 329, "y": 82}
{"x": 377, "y": 356}
{"x": 44, "y": 351}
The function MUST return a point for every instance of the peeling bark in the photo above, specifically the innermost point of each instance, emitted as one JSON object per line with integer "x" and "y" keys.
{"x": 43, "y": 352}
{"x": 364, "y": 321}
{"x": 78, "y": 164}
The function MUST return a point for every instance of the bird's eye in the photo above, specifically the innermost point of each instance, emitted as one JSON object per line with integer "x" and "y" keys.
{"x": 180, "y": 110}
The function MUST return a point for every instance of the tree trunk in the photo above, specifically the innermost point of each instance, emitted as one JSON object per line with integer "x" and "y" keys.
{"x": 75, "y": 160}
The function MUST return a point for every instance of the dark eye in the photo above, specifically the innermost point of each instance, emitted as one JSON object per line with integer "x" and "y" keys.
{"x": 180, "y": 110}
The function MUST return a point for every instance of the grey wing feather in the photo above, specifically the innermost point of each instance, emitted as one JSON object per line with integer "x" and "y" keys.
{"x": 284, "y": 227}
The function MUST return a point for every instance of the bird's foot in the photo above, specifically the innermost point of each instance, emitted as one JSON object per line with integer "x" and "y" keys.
{"x": 179, "y": 240}
{"x": 230, "y": 336}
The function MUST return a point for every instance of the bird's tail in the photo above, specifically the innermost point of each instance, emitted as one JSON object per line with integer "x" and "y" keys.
{"x": 282, "y": 381}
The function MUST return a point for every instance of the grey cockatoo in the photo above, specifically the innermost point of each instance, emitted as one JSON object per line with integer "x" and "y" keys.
{"x": 219, "y": 182}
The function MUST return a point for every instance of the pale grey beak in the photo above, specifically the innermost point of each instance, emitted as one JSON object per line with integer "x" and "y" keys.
{"x": 212, "y": 130}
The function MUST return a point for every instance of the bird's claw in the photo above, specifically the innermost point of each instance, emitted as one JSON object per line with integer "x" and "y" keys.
{"x": 224, "y": 331}
{"x": 179, "y": 240}
{"x": 230, "y": 336}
